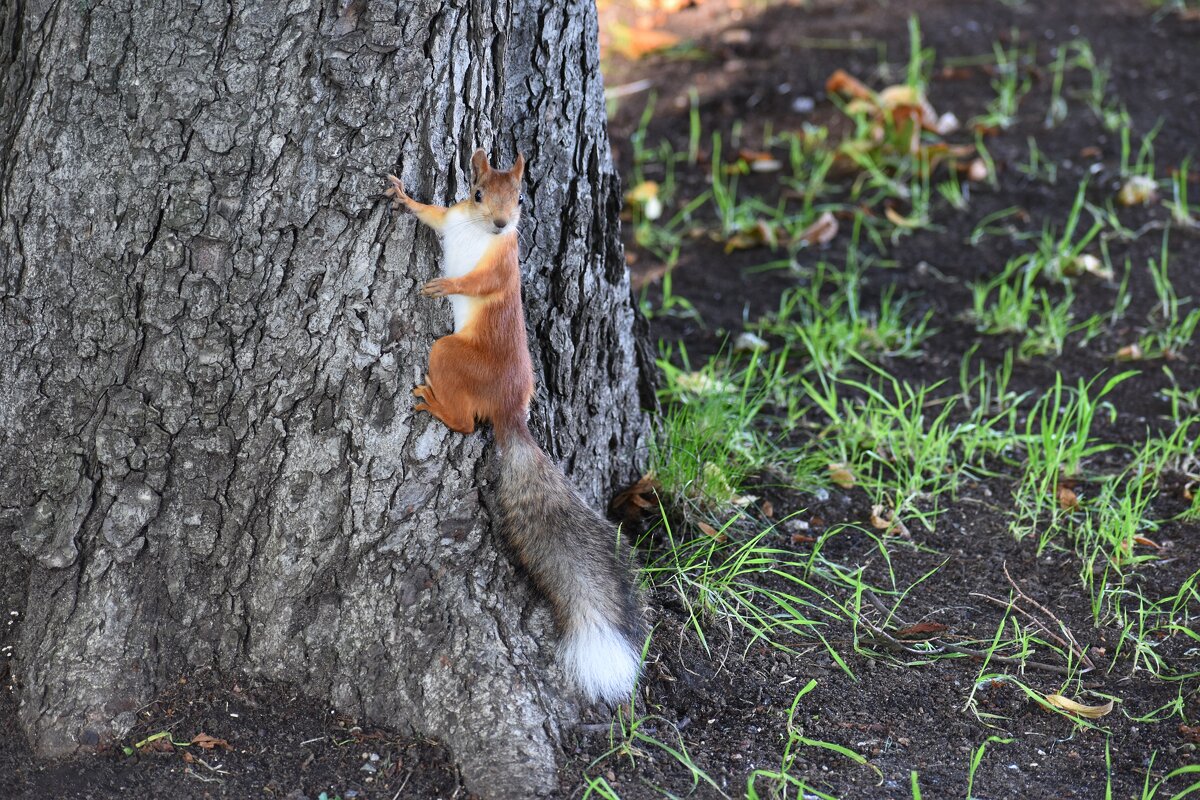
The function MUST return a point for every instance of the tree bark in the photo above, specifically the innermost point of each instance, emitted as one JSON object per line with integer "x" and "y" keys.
{"x": 209, "y": 328}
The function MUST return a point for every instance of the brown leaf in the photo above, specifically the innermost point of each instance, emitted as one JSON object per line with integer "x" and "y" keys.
{"x": 841, "y": 475}
{"x": 822, "y": 231}
{"x": 878, "y": 521}
{"x": 639, "y": 497}
{"x": 921, "y": 630}
{"x": 768, "y": 509}
{"x": 1067, "y": 499}
{"x": 207, "y": 742}
{"x": 758, "y": 235}
{"x": 711, "y": 532}
{"x": 888, "y": 524}
{"x": 1091, "y": 151}
{"x": 1130, "y": 352}
{"x": 648, "y": 274}
{"x": 842, "y": 82}
{"x": 1146, "y": 541}
{"x": 760, "y": 161}
{"x": 956, "y": 73}
{"x": 635, "y": 43}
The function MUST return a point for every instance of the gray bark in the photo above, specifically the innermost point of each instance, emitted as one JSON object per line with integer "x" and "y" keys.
{"x": 209, "y": 327}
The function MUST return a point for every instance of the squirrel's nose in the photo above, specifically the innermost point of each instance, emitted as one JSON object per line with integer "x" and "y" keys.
{"x": 499, "y": 222}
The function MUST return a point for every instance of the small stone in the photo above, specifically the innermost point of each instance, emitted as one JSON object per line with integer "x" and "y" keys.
{"x": 803, "y": 105}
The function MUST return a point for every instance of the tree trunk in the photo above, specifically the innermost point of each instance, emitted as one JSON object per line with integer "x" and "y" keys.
{"x": 209, "y": 328}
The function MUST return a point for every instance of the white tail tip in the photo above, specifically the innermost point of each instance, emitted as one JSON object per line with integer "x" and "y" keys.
{"x": 602, "y": 662}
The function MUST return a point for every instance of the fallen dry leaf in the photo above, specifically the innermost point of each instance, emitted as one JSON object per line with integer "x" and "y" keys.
{"x": 1139, "y": 190}
{"x": 956, "y": 73}
{"x": 711, "y": 532}
{"x": 888, "y": 524}
{"x": 768, "y": 509}
{"x": 1130, "y": 352}
{"x": 842, "y": 82}
{"x": 1079, "y": 709}
{"x": 921, "y": 630}
{"x": 900, "y": 221}
{"x": 841, "y": 475}
{"x": 747, "y": 342}
{"x": 1067, "y": 499}
{"x": 160, "y": 745}
{"x": 645, "y": 197}
{"x": 635, "y": 43}
{"x": 207, "y": 742}
{"x": 878, "y": 520}
{"x": 1146, "y": 541}
{"x": 639, "y": 497}
{"x": 702, "y": 383}
{"x": 760, "y": 161}
{"x": 822, "y": 231}
{"x": 758, "y": 235}
{"x": 1086, "y": 264}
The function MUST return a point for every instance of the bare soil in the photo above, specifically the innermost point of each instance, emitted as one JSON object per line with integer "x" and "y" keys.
{"x": 730, "y": 706}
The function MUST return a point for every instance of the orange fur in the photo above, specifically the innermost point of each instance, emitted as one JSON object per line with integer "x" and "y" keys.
{"x": 482, "y": 372}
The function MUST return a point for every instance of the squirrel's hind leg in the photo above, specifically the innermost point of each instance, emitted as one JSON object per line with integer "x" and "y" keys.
{"x": 448, "y": 391}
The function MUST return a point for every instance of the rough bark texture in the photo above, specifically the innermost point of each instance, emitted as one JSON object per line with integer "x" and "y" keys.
{"x": 209, "y": 328}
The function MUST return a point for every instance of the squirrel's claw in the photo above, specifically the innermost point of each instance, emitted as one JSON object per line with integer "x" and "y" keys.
{"x": 396, "y": 192}
{"x": 435, "y": 288}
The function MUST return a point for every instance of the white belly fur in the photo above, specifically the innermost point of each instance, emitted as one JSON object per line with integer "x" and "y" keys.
{"x": 464, "y": 241}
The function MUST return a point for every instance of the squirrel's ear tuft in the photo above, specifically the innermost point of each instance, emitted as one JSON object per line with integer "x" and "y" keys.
{"x": 518, "y": 167}
{"x": 479, "y": 163}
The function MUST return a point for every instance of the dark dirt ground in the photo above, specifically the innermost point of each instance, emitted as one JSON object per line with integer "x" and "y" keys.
{"x": 730, "y": 708}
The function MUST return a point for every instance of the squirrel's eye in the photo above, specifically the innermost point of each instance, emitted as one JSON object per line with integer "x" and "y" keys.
{"x": 479, "y": 195}
{"x": 521, "y": 199}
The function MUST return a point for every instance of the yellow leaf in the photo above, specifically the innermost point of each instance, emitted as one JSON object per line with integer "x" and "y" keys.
{"x": 758, "y": 235}
{"x": 1079, "y": 709}
{"x": 1139, "y": 190}
{"x": 645, "y": 197}
{"x": 841, "y": 475}
{"x": 900, "y": 221}
{"x": 634, "y": 43}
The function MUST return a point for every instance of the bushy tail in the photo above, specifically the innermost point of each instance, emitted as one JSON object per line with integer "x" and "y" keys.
{"x": 574, "y": 556}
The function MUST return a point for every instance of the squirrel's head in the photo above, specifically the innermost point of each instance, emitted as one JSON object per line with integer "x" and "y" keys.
{"x": 496, "y": 194}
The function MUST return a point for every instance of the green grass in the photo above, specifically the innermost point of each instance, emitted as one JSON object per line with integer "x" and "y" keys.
{"x": 829, "y": 407}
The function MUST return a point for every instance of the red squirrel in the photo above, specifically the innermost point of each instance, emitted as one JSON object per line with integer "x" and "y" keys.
{"x": 482, "y": 373}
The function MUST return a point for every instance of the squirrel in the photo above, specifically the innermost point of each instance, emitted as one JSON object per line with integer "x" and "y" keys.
{"x": 482, "y": 373}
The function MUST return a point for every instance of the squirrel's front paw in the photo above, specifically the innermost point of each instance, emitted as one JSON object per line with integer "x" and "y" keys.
{"x": 438, "y": 287}
{"x": 396, "y": 192}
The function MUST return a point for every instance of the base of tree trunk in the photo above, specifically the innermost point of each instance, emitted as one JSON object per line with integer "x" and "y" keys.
{"x": 209, "y": 330}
